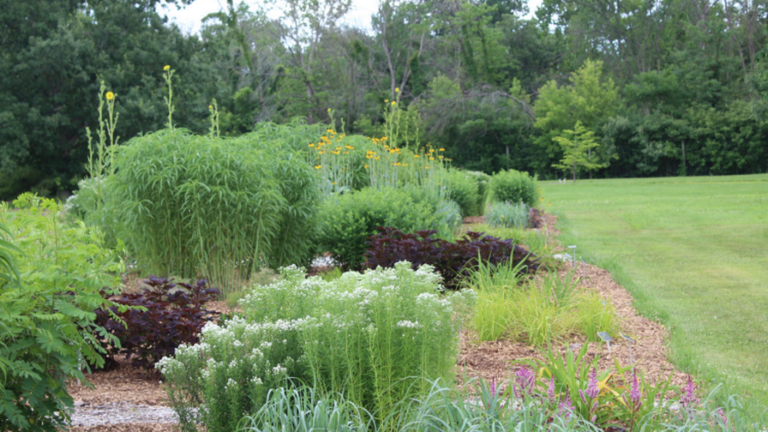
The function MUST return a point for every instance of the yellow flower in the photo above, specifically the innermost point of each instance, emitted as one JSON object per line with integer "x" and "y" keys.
{"x": 110, "y": 95}
{"x": 318, "y": 166}
{"x": 386, "y": 100}
{"x": 210, "y": 106}
{"x": 334, "y": 183}
{"x": 442, "y": 149}
{"x": 431, "y": 158}
{"x": 393, "y": 102}
{"x": 312, "y": 145}
{"x": 329, "y": 110}
{"x": 416, "y": 156}
{"x": 397, "y": 89}
{"x": 365, "y": 166}
{"x": 166, "y": 67}
{"x": 349, "y": 147}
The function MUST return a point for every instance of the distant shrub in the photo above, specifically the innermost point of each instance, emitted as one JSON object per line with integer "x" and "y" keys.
{"x": 348, "y": 220}
{"x": 174, "y": 315}
{"x": 374, "y": 338}
{"x": 463, "y": 190}
{"x": 483, "y": 189}
{"x": 190, "y": 205}
{"x": 508, "y": 215}
{"x": 514, "y": 186}
{"x": 452, "y": 260}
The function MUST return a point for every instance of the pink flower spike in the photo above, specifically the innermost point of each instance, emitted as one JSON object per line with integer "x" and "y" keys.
{"x": 493, "y": 387}
{"x": 634, "y": 393}
{"x": 551, "y": 388}
{"x": 688, "y": 398}
{"x": 565, "y": 408}
{"x": 592, "y": 388}
{"x": 722, "y": 415}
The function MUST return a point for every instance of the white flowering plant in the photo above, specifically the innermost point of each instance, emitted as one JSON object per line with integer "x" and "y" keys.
{"x": 375, "y": 337}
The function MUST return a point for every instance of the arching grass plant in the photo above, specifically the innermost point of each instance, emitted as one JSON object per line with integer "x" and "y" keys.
{"x": 199, "y": 206}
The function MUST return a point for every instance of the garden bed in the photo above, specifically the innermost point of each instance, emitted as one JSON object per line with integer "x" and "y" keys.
{"x": 125, "y": 393}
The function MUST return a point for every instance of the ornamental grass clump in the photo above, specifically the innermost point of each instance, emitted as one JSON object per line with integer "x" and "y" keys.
{"x": 373, "y": 337}
{"x": 508, "y": 215}
{"x": 196, "y": 206}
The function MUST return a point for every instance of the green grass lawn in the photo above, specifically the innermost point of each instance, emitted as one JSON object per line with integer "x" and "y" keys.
{"x": 694, "y": 254}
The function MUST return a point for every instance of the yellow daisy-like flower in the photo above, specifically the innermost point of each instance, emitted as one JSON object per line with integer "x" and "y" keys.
{"x": 365, "y": 166}
{"x": 416, "y": 156}
{"x": 386, "y": 100}
{"x": 318, "y": 166}
{"x": 334, "y": 183}
{"x": 311, "y": 145}
{"x": 210, "y": 106}
{"x": 349, "y": 147}
{"x": 110, "y": 95}
{"x": 397, "y": 89}
{"x": 442, "y": 149}
{"x": 431, "y": 158}
{"x": 167, "y": 67}
{"x": 393, "y": 102}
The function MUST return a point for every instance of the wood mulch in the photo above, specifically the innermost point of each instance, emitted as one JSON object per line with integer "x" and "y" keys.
{"x": 489, "y": 360}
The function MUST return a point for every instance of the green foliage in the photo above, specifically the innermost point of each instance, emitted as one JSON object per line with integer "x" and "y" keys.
{"x": 537, "y": 312}
{"x": 375, "y": 338}
{"x": 49, "y": 335}
{"x": 483, "y": 181}
{"x": 578, "y": 145}
{"x": 348, "y": 220}
{"x": 189, "y": 205}
{"x": 464, "y": 191}
{"x": 508, "y": 215}
{"x": 514, "y": 187}
{"x": 591, "y": 99}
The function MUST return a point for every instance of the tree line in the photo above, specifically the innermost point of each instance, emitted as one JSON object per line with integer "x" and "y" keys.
{"x": 654, "y": 87}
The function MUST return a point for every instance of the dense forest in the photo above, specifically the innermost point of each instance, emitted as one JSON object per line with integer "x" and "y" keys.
{"x": 657, "y": 87}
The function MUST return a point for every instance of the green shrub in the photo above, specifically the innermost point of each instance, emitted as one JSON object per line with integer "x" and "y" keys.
{"x": 46, "y": 315}
{"x": 362, "y": 335}
{"x": 508, "y": 215}
{"x": 348, "y": 220}
{"x": 463, "y": 190}
{"x": 190, "y": 205}
{"x": 514, "y": 187}
{"x": 483, "y": 181}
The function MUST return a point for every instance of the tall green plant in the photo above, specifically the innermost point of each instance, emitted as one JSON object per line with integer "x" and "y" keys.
{"x": 514, "y": 187}
{"x": 190, "y": 205}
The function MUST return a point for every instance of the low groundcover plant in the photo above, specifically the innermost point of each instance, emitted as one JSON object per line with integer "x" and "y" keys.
{"x": 374, "y": 337}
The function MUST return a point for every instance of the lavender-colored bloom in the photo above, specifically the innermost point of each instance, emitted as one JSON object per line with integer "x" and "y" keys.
{"x": 564, "y": 409}
{"x": 551, "y": 389}
{"x": 525, "y": 380}
{"x": 634, "y": 392}
{"x": 722, "y": 415}
{"x": 688, "y": 397}
{"x": 581, "y": 395}
{"x": 592, "y": 388}
{"x": 493, "y": 387}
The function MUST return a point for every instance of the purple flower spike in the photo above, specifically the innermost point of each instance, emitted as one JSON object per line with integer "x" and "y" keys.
{"x": 565, "y": 408}
{"x": 551, "y": 389}
{"x": 722, "y": 415}
{"x": 592, "y": 388}
{"x": 493, "y": 387}
{"x": 525, "y": 380}
{"x": 689, "y": 397}
{"x": 581, "y": 395}
{"x": 634, "y": 393}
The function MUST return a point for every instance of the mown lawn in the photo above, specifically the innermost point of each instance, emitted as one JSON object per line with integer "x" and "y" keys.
{"x": 694, "y": 254}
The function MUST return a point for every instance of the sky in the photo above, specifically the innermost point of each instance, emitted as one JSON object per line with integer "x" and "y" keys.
{"x": 189, "y": 18}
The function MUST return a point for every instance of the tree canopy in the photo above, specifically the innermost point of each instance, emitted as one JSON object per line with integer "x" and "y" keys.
{"x": 666, "y": 87}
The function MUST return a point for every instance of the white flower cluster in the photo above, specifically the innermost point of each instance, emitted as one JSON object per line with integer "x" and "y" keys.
{"x": 409, "y": 324}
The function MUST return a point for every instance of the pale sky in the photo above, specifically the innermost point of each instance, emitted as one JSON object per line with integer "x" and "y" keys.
{"x": 189, "y": 18}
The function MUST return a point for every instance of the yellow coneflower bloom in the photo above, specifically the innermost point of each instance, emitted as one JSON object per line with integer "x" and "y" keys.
{"x": 311, "y": 145}
{"x": 167, "y": 67}
{"x": 110, "y": 95}
{"x": 349, "y": 147}
{"x": 393, "y": 102}
{"x": 365, "y": 166}
{"x": 431, "y": 158}
{"x": 318, "y": 166}
{"x": 442, "y": 149}
{"x": 416, "y": 156}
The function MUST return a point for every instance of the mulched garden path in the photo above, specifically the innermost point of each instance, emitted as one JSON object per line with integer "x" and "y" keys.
{"x": 127, "y": 390}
